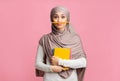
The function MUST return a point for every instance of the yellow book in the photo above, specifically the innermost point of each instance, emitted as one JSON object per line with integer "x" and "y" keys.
{"x": 63, "y": 53}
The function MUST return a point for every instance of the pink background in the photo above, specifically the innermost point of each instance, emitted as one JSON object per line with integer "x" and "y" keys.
{"x": 23, "y": 22}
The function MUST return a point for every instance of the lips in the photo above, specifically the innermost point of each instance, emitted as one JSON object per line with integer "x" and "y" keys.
{"x": 59, "y": 24}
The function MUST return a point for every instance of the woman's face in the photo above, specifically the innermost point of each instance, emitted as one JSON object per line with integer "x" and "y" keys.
{"x": 59, "y": 20}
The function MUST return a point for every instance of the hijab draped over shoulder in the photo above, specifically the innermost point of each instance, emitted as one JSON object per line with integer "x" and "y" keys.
{"x": 64, "y": 39}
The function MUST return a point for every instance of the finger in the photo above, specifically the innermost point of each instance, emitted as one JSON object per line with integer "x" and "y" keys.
{"x": 52, "y": 62}
{"x": 52, "y": 59}
{"x": 53, "y": 56}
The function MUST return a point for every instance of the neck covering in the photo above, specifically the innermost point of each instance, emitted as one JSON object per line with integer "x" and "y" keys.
{"x": 64, "y": 39}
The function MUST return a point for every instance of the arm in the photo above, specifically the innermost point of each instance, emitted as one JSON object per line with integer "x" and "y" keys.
{"x": 44, "y": 67}
{"x": 39, "y": 61}
{"x": 78, "y": 63}
{"x": 75, "y": 63}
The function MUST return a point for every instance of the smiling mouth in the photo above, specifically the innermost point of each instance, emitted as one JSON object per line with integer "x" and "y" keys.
{"x": 59, "y": 24}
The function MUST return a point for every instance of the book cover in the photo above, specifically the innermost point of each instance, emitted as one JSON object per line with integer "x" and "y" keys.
{"x": 63, "y": 53}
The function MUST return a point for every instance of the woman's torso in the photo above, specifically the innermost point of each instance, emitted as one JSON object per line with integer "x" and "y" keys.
{"x": 51, "y": 76}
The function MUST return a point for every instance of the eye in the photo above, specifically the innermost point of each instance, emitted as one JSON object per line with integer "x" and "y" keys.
{"x": 62, "y": 17}
{"x": 55, "y": 16}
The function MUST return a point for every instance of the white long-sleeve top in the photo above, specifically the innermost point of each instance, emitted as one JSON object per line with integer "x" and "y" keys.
{"x": 53, "y": 76}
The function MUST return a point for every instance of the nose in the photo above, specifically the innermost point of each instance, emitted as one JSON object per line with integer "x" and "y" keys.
{"x": 59, "y": 19}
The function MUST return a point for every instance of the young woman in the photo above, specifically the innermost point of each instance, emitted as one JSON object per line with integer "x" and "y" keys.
{"x": 62, "y": 36}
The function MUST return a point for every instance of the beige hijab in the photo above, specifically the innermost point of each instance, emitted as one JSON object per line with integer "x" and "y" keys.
{"x": 65, "y": 39}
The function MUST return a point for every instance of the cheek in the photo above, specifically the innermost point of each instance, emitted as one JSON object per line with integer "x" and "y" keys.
{"x": 65, "y": 24}
{"x": 64, "y": 20}
{"x": 54, "y": 20}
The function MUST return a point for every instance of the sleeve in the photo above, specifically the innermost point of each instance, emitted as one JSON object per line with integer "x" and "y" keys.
{"x": 77, "y": 63}
{"x": 39, "y": 61}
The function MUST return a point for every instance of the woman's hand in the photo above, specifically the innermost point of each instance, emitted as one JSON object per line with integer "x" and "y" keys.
{"x": 56, "y": 68}
{"x": 54, "y": 60}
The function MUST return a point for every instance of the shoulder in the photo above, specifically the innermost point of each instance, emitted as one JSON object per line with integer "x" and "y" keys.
{"x": 76, "y": 37}
{"x": 43, "y": 37}
{"x": 41, "y": 40}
